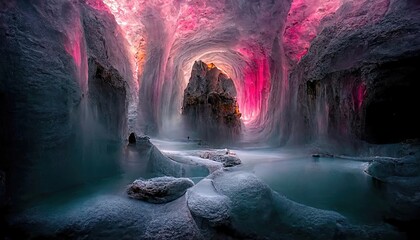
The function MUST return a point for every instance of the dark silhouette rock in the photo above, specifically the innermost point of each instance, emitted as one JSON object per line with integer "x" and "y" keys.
{"x": 210, "y": 105}
{"x": 132, "y": 138}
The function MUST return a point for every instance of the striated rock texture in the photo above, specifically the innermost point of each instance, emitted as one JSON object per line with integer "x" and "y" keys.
{"x": 107, "y": 92}
{"x": 359, "y": 77}
{"x": 64, "y": 76}
{"x": 210, "y": 106}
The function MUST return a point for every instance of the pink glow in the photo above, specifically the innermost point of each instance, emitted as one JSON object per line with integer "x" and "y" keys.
{"x": 191, "y": 22}
{"x": 76, "y": 49}
{"x": 256, "y": 83}
{"x": 302, "y": 24}
{"x": 359, "y": 93}
{"x": 199, "y": 15}
{"x": 73, "y": 49}
{"x": 188, "y": 19}
{"x": 128, "y": 14}
{"x": 98, "y": 5}
{"x": 305, "y": 18}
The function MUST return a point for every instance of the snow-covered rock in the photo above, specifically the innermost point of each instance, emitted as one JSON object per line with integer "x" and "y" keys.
{"x": 384, "y": 168}
{"x": 110, "y": 217}
{"x": 402, "y": 177}
{"x": 228, "y": 158}
{"x": 245, "y": 205}
{"x": 206, "y": 203}
{"x": 160, "y": 189}
{"x": 159, "y": 164}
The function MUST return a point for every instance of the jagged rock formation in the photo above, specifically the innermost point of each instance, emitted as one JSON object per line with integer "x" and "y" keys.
{"x": 210, "y": 105}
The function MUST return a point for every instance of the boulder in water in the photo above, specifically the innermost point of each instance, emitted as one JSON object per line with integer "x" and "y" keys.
{"x": 160, "y": 189}
{"x": 229, "y": 159}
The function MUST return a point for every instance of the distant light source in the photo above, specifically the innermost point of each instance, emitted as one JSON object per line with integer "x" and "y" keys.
{"x": 211, "y": 65}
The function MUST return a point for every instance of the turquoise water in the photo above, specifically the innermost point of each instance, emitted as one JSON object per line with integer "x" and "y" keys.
{"x": 326, "y": 183}
{"x": 335, "y": 184}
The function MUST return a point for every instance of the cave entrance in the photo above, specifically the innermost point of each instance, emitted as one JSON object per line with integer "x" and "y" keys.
{"x": 209, "y": 105}
{"x": 392, "y": 113}
{"x": 393, "y": 117}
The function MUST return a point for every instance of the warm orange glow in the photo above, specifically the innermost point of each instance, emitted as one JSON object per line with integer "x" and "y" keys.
{"x": 140, "y": 59}
{"x": 211, "y": 65}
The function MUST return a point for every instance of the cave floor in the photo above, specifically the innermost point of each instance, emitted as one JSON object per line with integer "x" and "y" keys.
{"x": 103, "y": 208}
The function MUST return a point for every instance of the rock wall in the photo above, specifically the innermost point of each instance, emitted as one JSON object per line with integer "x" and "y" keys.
{"x": 61, "y": 63}
{"x": 210, "y": 106}
{"x": 358, "y": 79}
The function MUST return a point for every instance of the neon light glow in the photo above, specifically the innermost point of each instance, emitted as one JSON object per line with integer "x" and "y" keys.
{"x": 182, "y": 32}
{"x": 302, "y": 24}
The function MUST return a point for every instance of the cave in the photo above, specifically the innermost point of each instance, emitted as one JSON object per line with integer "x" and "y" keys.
{"x": 223, "y": 119}
{"x": 389, "y": 117}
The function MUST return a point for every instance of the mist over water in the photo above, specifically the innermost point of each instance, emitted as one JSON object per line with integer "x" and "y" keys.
{"x": 326, "y": 183}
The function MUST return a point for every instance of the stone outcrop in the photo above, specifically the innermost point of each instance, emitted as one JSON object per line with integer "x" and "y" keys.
{"x": 160, "y": 189}
{"x": 107, "y": 94}
{"x": 209, "y": 104}
{"x": 64, "y": 76}
{"x": 228, "y": 158}
{"x": 402, "y": 179}
{"x": 358, "y": 79}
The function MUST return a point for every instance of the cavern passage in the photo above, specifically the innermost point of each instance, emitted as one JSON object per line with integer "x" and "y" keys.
{"x": 265, "y": 119}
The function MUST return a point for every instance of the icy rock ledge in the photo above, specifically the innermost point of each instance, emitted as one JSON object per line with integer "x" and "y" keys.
{"x": 402, "y": 178}
{"x": 160, "y": 189}
{"x": 228, "y": 158}
{"x": 249, "y": 209}
{"x": 206, "y": 203}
